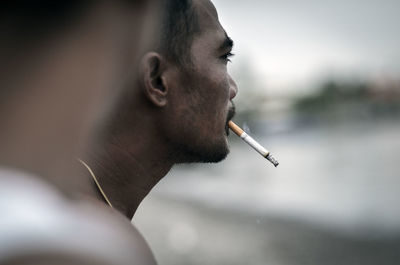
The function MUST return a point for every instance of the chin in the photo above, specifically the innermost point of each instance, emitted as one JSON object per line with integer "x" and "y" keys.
{"x": 215, "y": 156}
{"x": 208, "y": 153}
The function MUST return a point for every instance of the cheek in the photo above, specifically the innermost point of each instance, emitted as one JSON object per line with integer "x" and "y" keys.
{"x": 216, "y": 101}
{"x": 208, "y": 101}
{"x": 217, "y": 85}
{"x": 220, "y": 94}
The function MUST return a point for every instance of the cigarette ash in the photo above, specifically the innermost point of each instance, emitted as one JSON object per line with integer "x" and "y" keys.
{"x": 272, "y": 160}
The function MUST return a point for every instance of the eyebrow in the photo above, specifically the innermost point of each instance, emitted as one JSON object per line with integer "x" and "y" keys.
{"x": 227, "y": 44}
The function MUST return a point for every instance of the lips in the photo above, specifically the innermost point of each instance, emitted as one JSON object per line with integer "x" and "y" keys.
{"x": 231, "y": 114}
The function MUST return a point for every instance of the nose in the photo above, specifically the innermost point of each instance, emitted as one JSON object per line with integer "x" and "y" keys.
{"x": 233, "y": 89}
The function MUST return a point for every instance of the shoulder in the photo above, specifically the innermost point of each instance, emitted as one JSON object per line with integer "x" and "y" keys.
{"x": 114, "y": 224}
{"x": 39, "y": 226}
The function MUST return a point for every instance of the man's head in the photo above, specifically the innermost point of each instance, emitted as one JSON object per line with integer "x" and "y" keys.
{"x": 187, "y": 81}
{"x": 30, "y": 30}
{"x": 179, "y": 25}
{"x": 63, "y": 64}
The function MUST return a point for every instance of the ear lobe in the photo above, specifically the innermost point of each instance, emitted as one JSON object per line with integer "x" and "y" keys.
{"x": 155, "y": 87}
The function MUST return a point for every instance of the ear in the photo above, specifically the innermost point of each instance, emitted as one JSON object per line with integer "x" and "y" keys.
{"x": 153, "y": 72}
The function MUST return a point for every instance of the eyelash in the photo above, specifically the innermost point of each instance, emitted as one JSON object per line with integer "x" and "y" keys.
{"x": 227, "y": 56}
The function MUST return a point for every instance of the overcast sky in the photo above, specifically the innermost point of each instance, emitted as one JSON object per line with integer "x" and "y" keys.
{"x": 291, "y": 44}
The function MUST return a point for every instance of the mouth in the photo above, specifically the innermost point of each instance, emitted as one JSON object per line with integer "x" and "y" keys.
{"x": 231, "y": 114}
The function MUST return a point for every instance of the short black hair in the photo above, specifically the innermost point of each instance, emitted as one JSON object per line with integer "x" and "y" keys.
{"x": 26, "y": 25}
{"x": 33, "y": 20}
{"x": 179, "y": 27}
{"x": 29, "y": 21}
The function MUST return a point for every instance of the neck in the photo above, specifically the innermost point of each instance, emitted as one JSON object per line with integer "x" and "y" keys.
{"x": 127, "y": 172}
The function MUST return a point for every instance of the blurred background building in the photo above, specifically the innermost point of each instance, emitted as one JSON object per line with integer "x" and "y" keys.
{"x": 319, "y": 86}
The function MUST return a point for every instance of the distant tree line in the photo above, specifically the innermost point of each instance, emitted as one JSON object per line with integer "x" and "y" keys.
{"x": 352, "y": 99}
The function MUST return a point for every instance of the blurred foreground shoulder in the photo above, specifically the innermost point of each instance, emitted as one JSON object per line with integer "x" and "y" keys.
{"x": 128, "y": 237}
{"x": 38, "y": 225}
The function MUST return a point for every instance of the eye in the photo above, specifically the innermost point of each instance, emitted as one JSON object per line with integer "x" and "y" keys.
{"x": 226, "y": 57}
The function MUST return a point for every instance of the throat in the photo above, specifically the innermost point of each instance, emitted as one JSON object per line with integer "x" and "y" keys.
{"x": 123, "y": 179}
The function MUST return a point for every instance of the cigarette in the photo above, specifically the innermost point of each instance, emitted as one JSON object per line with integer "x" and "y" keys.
{"x": 253, "y": 143}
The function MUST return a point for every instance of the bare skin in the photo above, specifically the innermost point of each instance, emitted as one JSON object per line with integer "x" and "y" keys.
{"x": 62, "y": 91}
{"x": 173, "y": 115}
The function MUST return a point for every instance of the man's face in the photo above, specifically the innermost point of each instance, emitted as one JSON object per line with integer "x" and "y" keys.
{"x": 202, "y": 101}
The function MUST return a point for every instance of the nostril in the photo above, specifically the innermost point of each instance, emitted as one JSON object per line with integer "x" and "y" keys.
{"x": 233, "y": 89}
{"x": 233, "y": 94}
